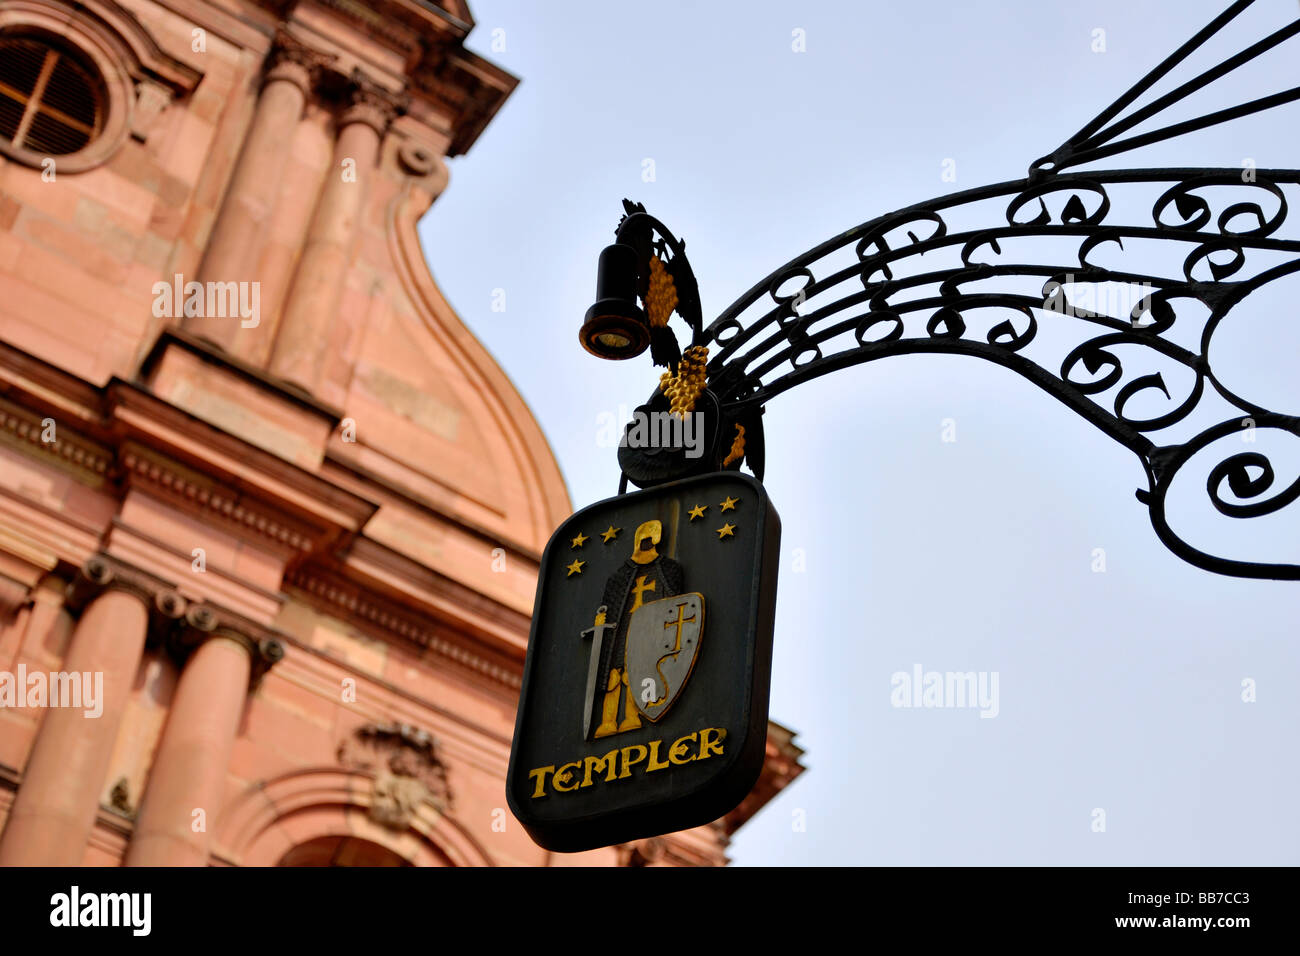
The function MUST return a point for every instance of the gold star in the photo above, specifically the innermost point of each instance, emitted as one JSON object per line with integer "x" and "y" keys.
{"x": 610, "y": 533}
{"x": 575, "y": 568}
{"x": 727, "y": 531}
{"x": 579, "y": 541}
{"x": 698, "y": 511}
{"x": 730, "y": 503}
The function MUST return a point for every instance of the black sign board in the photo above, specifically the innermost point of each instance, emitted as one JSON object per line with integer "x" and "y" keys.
{"x": 644, "y": 700}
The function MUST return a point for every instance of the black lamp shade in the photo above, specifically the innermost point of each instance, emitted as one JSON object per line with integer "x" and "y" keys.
{"x": 616, "y": 327}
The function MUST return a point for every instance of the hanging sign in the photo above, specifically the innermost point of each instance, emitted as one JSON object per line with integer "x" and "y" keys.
{"x": 644, "y": 701}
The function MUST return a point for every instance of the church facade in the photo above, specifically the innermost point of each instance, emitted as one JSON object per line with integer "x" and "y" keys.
{"x": 270, "y": 516}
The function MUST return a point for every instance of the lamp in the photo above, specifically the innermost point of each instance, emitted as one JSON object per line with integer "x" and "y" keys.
{"x": 616, "y": 327}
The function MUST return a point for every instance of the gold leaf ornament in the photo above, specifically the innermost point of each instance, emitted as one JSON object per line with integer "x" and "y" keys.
{"x": 737, "y": 447}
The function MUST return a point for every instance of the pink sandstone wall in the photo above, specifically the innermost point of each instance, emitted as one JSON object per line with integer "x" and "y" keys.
{"x": 368, "y": 493}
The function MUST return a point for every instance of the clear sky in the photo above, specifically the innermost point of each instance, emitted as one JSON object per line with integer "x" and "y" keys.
{"x": 1120, "y": 689}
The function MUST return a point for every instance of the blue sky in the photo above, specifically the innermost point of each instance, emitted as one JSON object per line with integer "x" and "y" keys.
{"x": 1119, "y": 690}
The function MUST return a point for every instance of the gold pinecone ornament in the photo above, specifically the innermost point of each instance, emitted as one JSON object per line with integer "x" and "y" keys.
{"x": 685, "y": 388}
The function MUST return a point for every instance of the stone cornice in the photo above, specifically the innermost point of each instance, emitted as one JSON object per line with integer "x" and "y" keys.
{"x": 357, "y": 470}
{"x": 168, "y": 479}
{"x": 23, "y": 557}
{"x": 446, "y": 601}
{"x": 174, "y": 454}
{"x": 36, "y": 385}
{"x": 27, "y": 430}
{"x": 470, "y": 87}
{"x": 257, "y": 376}
{"x": 400, "y": 36}
{"x": 218, "y": 477}
{"x": 419, "y": 630}
{"x": 256, "y": 488}
{"x": 458, "y": 83}
{"x": 402, "y": 23}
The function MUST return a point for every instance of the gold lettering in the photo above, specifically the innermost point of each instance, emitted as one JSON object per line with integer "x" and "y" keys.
{"x": 567, "y": 774}
{"x": 598, "y": 764}
{"x": 585, "y": 771}
{"x": 655, "y": 763}
{"x": 540, "y": 775}
{"x": 677, "y": 752}
{"x": 708, "y": 746}
{"x": 628, "y": 761}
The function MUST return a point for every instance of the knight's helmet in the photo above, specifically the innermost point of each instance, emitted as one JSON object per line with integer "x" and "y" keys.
{"x": 652, "y": 530}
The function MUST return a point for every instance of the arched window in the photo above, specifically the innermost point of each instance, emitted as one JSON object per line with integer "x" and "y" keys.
{"x": 52, "y": 101}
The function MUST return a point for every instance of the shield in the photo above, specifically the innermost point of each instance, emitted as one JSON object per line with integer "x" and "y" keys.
{"x": 663, "y": 641}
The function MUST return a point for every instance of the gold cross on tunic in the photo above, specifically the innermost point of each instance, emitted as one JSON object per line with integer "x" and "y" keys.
{"x": 639, "y": 590}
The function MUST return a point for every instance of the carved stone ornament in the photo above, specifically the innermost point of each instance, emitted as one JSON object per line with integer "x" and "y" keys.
{"x": 120, "y": 798}
{"x": 188, "y": 626}
{"x": 102, "y": 573}
{"x": 417, "y": 158}
{"x": 294, "y": 61}
{"x": 370, "y": 103}
{"x": 407, "y": 769}
{"x": 150, "y": 101}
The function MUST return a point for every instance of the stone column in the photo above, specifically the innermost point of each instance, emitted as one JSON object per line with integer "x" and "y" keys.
{"x": 58, "y": 798}
{"x": 189, "y": 769}
{"x": 305, "y": 331}
{"x": 238, "y": 234}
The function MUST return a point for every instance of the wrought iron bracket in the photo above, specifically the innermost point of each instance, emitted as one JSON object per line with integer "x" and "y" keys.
{"x": 1060, "y": 261}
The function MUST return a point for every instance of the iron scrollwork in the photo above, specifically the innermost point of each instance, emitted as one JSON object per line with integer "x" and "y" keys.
{"x": 1071, "y": 263}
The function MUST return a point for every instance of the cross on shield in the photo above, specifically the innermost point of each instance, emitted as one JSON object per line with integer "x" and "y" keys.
{"x": 663, "y": 641}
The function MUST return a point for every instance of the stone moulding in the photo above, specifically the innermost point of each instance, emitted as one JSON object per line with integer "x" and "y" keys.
{"x": 217, "y": 501}
{"x": 272, "y": 816}
{"x": 388, "y": 616}
{"x": 25, "y": 429}
{"x": 133, "y": 69}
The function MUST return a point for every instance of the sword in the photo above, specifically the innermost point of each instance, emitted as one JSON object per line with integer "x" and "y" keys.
{"x": 597, "y": 635}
